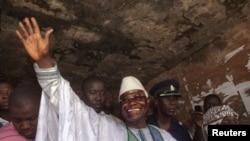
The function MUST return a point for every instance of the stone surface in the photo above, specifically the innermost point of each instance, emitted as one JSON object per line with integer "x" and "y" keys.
{"x": 202, "y": 43}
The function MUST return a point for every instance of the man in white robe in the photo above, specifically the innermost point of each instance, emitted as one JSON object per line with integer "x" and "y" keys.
{"x": 64, "y": 117}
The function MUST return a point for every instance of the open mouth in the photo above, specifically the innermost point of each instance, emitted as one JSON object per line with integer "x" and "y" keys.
{"x": 131, "y": 110}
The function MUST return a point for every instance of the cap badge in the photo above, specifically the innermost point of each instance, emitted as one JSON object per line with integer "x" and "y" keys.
{"x": 172, "y": 88}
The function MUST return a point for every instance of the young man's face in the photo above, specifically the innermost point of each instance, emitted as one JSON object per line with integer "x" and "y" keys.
{"x": 94, "y": 95}
{"x": 211, "y": 102}
{"x": 24, "y": 119}
{"x": 5, "y": 90}
{"x": 167, "y": 105}
{"x": 134, "y": 105}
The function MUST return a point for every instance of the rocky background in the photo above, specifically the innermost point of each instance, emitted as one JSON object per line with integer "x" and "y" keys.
{"x": 204, "y": 44}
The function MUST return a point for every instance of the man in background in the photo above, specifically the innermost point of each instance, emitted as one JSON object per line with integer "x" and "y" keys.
{"x": 6, "y": 87}
{"x": 24, "y": 108}
{"x": 93, "y": 92}
{"x": 166, "y": 97}
{"x": 196, "y": 122}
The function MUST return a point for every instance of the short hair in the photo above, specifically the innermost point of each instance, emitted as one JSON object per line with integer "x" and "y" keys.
{"x": 212, "y": 96}
{"x": 92, "y": 77}
{"x": 9, "y": 81}
{"x": 25, "y": 93}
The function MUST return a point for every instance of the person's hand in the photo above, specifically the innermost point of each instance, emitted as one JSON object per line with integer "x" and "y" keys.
{"x": 197, "y": 118}
{"x": 35, "y": 45}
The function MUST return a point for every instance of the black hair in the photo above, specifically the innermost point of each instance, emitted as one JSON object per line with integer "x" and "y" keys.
{"x": 92, "y": 77}
{"x": 212, "y": 96}
{"x": 25, "y": 93}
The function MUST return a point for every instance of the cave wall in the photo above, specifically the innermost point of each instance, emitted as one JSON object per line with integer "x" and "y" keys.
{"x": 202, "y": 43}
{"x": 217, "y": 69}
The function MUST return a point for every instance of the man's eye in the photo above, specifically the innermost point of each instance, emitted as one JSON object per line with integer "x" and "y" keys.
{"x": 135, "y": 98}
{"x": 16, "y": 121}
{"x": 139, "y": 97}
{"x": 33, "y": 118}
{"x": 92, "y": 92}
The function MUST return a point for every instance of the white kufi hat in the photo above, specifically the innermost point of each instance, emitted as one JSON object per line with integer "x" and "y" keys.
{"x": 131, "y": 83}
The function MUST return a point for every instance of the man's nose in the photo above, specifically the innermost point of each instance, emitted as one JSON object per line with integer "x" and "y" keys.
{"x": 25, "y": 125}
{"x": 5, "y": 94}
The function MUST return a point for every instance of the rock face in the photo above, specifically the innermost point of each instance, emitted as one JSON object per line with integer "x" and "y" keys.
{"x": 204, "y": 44}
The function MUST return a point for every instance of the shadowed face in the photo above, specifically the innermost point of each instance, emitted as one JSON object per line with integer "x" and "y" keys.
{"x": 167, "y": 105}
{"x": 93, "y": 95}
{"x": 211, "y": 102}
{"x": 25, "y": 119}
{"x": 134, "y": 106}
{"x": 5, "y": 90}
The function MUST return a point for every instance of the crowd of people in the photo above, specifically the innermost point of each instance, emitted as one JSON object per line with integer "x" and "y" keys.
{"x": 52, "y": 111}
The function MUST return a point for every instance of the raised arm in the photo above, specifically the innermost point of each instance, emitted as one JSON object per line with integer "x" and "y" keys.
{"x": 36, "y": 45}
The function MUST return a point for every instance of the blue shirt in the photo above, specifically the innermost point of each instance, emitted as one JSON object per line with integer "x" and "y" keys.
{"x": 178, "y": 131}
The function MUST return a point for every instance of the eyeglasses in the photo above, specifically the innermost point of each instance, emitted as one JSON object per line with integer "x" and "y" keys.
{"x": 136, "y": 98}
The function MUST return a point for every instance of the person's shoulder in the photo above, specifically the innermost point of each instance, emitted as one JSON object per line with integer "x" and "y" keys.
{"x": 3, "y": 121}
{"x": 182, "y": 129}
{"x": 7, "y": 127}
{"x": 165, "y": 134}
{"x": 158, "y": 128}
{"x": 113, "y": 119}
{"x": 9, "y": 133}
{"x": 177, "y": 123}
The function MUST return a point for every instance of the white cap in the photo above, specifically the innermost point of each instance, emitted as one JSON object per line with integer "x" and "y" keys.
{"x": 131, "y": 83}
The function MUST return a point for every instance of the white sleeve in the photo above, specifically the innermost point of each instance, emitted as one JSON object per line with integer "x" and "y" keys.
{"x": 75, "y": 120}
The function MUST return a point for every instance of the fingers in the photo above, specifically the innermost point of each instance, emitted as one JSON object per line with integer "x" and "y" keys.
{"x": 20, "y": 37}
{"x": 35, "y": 25}
{"x": 23, "y": 29}
{"x": 47, "y": 34}
{"x": 28, "y": 25}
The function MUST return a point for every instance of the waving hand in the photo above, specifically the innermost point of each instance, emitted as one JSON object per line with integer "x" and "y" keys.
{"x": 35, "y": 45}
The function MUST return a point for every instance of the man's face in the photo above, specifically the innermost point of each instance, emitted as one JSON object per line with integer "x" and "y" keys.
{"x": 94, "y": 95}
{"x": 134, "y": 105}
{"x": 167, "y": 105}
{"x": 25, "y": 119}
{"x": 5, "y": 90}
{"x": 211, "y": 102}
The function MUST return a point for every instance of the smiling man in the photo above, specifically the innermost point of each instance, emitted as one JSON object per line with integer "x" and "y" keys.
{"x": 70, "y": 119}
{"x": 134, "y": 104}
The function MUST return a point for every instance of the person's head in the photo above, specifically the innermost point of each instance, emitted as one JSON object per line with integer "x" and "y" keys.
{"x": 166, "y": 97}
{"x": 93, "y": 92}
{"x": 108, "y": 104}
{"x": 134, "y": 102}
{"x": 24, "y": 109}
{"x": 5, "y": 89}
{"x": 211, "y": 100}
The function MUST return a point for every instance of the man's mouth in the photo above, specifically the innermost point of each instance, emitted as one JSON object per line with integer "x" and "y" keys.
{"x": 134, "y": 109}
{"x": 27, "y": 134}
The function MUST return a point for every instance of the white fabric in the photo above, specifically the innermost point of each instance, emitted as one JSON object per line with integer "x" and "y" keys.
{"x": 131, "y": 83}
{"x": 3, "y": 121}
{"x": 64, "y": 117}
{"x": 145, "y": 131}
